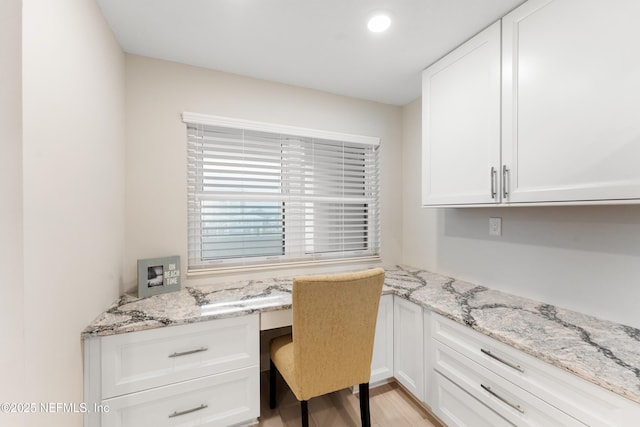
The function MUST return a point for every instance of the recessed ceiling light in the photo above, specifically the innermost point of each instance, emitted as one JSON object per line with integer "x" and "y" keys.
{"x": 379, "y": 22}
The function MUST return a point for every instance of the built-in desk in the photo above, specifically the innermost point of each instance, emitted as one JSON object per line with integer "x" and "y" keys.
{"x": 275, "y": 319}
{"x": 598, "y": 351}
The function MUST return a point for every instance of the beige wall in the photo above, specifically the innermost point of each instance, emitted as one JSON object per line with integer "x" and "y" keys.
{"x": 159, "y": 91}
{"x": 73, "y": 177}
{"x": 585, "y": 258}
{"x": 11, "y": 260}
{"x": 419, "y": 236}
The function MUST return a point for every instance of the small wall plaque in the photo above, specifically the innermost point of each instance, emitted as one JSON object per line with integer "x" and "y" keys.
{"x": 158, "y": 275}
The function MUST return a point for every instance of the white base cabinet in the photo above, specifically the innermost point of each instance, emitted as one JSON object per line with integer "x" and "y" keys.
{"x": 457, "y": 408}
{"x": 511, "y": 402}
{"x": 216, "y": 400}
{"x": 427, "y": 364}
{"x": 408, "y": 358}
{"x": 382, "y": 360}
{"x": 201, "y": 374}
{"x": 520, "y": 389}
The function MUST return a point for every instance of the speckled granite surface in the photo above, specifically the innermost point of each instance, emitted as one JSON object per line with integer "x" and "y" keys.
{"x": 602, "y": 352}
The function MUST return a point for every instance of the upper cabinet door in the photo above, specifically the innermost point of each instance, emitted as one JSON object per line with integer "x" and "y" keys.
{"x": 461, "y": 124}
{"x": 571, "y": 101}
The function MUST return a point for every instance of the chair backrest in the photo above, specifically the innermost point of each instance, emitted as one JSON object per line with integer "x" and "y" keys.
{"x": 334, "y": 323}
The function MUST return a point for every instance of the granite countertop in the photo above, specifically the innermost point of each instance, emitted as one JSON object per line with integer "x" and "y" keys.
{"x": 600, "y": 351}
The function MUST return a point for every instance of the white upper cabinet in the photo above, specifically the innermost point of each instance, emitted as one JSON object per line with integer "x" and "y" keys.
{"x": 571, "y": 101}
{"x": 461, "y": 124}
{"x": 569, "y": 113}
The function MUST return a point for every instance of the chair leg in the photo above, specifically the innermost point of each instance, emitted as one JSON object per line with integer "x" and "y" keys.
{"x": 304, "y": 412}
{"x": 272, "y": 384}
{"x": 365, "y": 416}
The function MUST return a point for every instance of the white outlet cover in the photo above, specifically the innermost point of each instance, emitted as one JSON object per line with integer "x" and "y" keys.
{"x": 495, "y": 226}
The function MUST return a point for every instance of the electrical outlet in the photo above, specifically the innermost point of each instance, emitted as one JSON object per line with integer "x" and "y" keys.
{"x": 495, "y": 226}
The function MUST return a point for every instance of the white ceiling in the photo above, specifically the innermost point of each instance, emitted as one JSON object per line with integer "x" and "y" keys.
{"x": 318, "y": 44}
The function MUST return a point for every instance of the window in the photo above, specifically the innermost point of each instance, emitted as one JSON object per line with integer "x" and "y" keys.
{"x": 262, "y": 194}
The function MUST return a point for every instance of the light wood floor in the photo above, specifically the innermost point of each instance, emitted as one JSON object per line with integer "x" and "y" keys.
{"x": 390, "y": 405}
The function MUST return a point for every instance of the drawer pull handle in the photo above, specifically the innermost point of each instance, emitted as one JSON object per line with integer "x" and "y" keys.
{"x": 188, "y": 411}
{"x": 185, "y": 353}
{"x": 502, "y": 399}
{"x": 501, "y": 360}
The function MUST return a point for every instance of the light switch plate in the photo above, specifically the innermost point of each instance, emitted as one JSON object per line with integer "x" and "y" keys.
{"x": 495, "y": 226}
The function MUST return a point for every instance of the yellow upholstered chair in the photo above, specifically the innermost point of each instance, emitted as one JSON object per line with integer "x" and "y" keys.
{"x": 331, "y": 345}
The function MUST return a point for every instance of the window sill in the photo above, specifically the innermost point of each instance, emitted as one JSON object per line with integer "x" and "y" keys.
{"x": 212, "y": 271}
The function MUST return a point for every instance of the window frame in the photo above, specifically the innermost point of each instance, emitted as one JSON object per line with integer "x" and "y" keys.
{"x": 202, "y": 266}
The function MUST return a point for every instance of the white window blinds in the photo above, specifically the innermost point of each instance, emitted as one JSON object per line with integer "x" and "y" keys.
{"x": 260, "y": 196}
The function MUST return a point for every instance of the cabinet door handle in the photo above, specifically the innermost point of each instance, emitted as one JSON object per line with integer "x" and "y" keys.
{"x": 493, "y": 182}
{"x": 505, "y": 186}
{"x": 185, "y": 353}
{"x": 501, "y": 360}
{"x": 188, "y": 411}
{"x": 502, "y": 399}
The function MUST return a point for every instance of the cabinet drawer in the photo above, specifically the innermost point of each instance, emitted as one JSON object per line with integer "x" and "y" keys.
{"x": 508, "y": 400}
{"x": 216, "y": 400}
{"x": 141, "y": 360}
{"x": 584, "y": 401}
{"x": 457, "y": 408}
